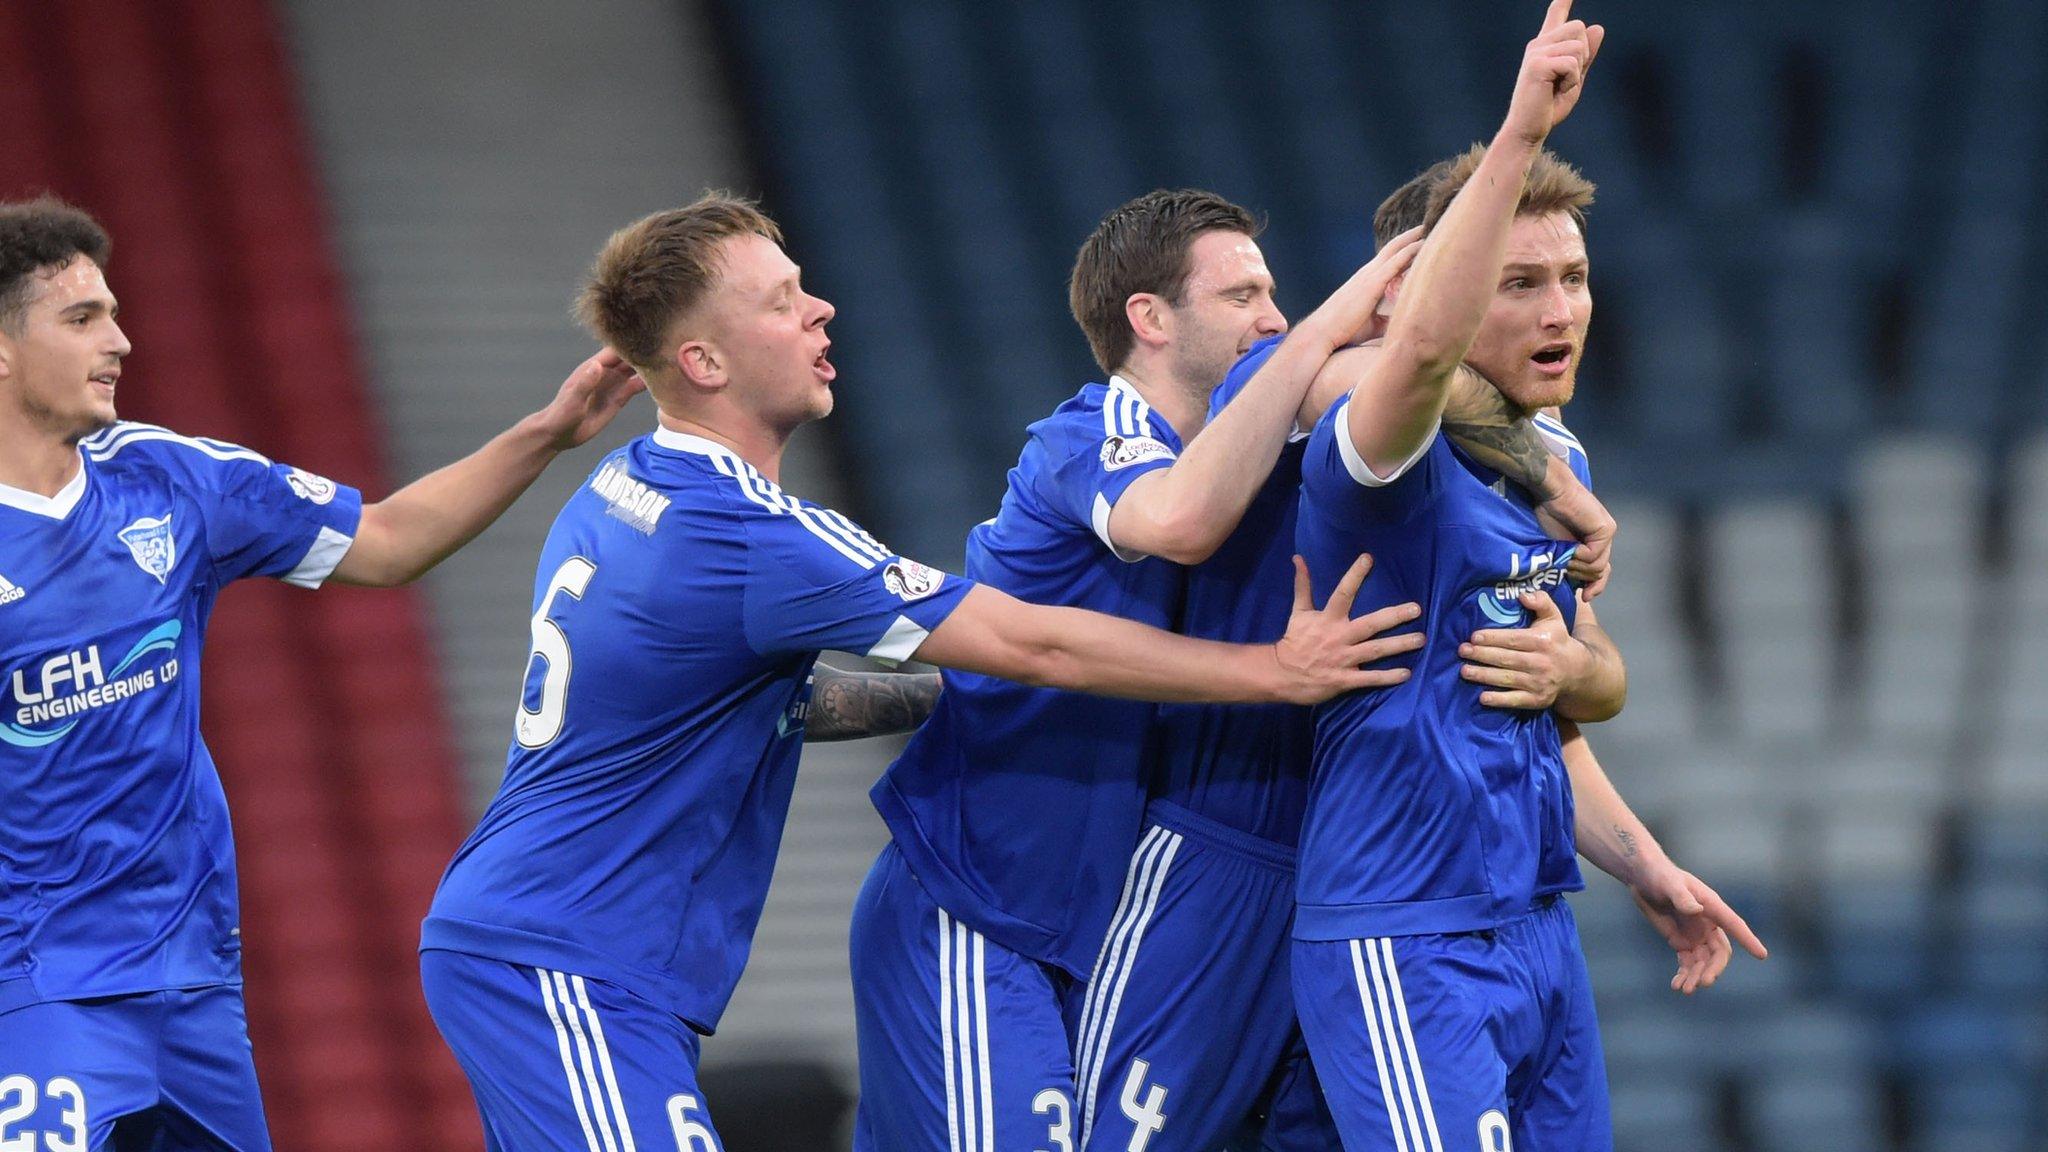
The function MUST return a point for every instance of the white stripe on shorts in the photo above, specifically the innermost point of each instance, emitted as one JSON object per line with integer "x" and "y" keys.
{"x": 604, "y": 1064}
{"x": 547, "y": 995}
{"x": 1393, "y": 1046}
{"x": 1142, "y": 885}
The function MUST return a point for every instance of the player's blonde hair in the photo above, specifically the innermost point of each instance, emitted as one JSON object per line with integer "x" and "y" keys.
{"x": 1553, "y": 186}
{"x": 656, "y": 269}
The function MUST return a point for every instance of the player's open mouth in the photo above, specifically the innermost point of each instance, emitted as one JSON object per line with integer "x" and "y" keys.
{"x": 107, "y": 380}
{"x": 1553, "y": 358}
{"x": 823, "y": 367}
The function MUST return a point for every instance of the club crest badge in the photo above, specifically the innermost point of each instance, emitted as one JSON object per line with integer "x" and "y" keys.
{"x": 151, "y": 543}
{"x": 308, "y": 486}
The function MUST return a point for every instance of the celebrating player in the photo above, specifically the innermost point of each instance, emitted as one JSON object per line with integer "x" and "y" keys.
{"x": 596, "y": 921}
{"x": 1437, "y": 973}
{"x": 121, "y": 1019}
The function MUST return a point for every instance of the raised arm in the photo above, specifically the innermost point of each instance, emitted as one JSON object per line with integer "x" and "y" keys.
{"x": 1183, "y": 513}
{"x": 1691, "y": 917}
{"x": 1321, "y": 656}
{"x": 1400, "y": 399}
{"x": 850, "y": 705}
{"x": 423, "y": 523}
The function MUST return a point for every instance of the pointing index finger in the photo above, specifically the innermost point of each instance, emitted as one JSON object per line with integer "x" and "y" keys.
{"x": 1560, "y": 11}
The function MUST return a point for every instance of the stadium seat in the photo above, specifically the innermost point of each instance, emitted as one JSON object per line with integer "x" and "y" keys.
{"x": 2003, "y": 936}
{"x": 1795, "y": 1111}
{"x": 1671, "y": 1116}
{"x": 1777, "y": 626}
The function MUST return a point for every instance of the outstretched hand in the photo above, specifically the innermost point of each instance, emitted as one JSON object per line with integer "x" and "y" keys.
{"x": 1697, "y": 923}
{"x": 593, "y": 394}
{"x": 1553, "y": 73}
{"x": 1324, "y": 649}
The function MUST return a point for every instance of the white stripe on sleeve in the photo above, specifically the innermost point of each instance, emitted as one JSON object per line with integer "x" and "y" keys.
{"x": 320, "y": 560}
{"x": 1355, "y": 464}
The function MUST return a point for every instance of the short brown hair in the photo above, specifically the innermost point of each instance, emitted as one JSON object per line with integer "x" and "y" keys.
{"x": 657, "y": 268}
{"x": 1408, "y": 206}
{"x": 1143, "y": 246}
{"x": 1553, "y": 186}
{"x": 42, "y": 233}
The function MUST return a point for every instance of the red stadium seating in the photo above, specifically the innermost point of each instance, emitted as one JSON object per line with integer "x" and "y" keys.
{"x": 323, "y": 711}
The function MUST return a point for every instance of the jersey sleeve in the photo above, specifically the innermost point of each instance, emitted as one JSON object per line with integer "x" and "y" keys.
{"x": 1334, "y": 474}
{"x": 1241, "y": 374}
{"x": 262, "y": 518}
{"x": 1102, "y": 454}
{"x": 815, "y": 580}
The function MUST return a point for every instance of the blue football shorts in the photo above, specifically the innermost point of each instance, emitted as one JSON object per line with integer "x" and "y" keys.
{"x": 963, "y": 1045}
{"x": 1469, "y": 1042}
{"x": 167, "y": 1071}
{"x": 1186, "y": 1039}
{"x": 561, "y": 1062}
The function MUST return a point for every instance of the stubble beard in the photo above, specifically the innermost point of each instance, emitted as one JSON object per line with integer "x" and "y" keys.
{"x": 69, "y": 428}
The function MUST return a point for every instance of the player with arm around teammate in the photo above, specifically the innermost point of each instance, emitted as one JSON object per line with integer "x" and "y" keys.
{"x": 594, "y": 924}
{"x": 121, "y": 1017}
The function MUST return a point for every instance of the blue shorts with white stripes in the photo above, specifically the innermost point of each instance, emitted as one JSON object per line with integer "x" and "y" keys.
{"x": 561, "y": 1062}
{"x": 962, "y": 1042}
{"x": 1471, "y": 1042}
{"x": 1186, "y": 1035}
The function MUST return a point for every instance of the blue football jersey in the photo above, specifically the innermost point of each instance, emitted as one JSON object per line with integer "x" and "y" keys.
{"x": 1243, "y": 765}
{"x": 680, "y": 602}
{"x": 117, "y": 868}
{"x": 1017, "y": 807}
{"x": 1429, "y": 812}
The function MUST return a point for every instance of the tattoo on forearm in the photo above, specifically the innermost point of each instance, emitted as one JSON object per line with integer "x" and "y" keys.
{"x": 1628, "y": 841}
{"x": 849, "y": 705}
{"x": 1482, "y": 422}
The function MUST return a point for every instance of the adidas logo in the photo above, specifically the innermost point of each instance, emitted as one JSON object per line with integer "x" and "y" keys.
{"x": 10, "y": 591}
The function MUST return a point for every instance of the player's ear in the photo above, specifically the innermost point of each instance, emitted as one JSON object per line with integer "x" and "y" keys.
{"x": 1393, "y": 293}
{"x": 1146, "y": 312}
{"x": 700, "y": 365}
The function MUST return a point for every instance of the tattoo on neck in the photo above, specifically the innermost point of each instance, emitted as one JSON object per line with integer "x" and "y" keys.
{"x": 1516, "y": 451}
{"x": 1482, "y": 421}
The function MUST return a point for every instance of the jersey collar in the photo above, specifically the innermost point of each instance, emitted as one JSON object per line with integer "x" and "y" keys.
{"x": 54, "y": 507}
{"x": 684, "y": 442}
